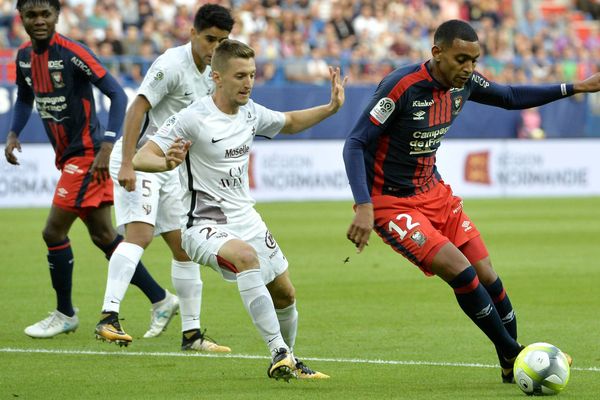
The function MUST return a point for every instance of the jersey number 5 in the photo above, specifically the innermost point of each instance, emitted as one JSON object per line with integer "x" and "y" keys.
{"x": 393, "y": 227}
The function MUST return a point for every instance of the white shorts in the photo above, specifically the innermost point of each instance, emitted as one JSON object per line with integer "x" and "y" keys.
{"x": 156, "y": 199}
{"x": 202, "y": 244}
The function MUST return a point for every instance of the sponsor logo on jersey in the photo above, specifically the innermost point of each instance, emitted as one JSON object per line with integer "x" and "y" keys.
{"x": 478, "y": 79}
{"x": 57, "y": 79}
{"x": 428, "y": 141}
{"x": 238, "y": 152}
{"x": 422, "y": 103}
{"x": 457, "y": 105}
{"x": 24, "y": 64}
{"x": 159, "y": 76}
{"x": 55, "y": 64}
{"x": 81, "y": 65}
{"x": 419, "y": 115}
{"x": 456, "y": 89}
{"x": 383, "y": 109}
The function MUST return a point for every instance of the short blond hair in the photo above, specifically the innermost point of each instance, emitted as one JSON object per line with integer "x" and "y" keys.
{"x": 227, "y": 50}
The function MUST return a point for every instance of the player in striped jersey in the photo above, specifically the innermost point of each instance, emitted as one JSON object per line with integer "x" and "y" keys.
{"x": 58, "y": 73}
{"x": 398, "y": 191}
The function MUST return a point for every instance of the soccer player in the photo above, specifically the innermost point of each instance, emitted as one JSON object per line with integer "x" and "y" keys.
{"x": 58, "y": 74}
{"x": 148, "y": 204}
{"x": 398, "y": 191}
{"x": 222, "y": 228}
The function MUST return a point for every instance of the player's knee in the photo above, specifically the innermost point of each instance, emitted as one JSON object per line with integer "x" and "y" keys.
{"x": 52, "y": 235}
{"x": 245, "y": 259}
{"x": 102, "y": 239}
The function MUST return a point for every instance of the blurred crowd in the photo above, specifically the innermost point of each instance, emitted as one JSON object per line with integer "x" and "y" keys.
{"x": 295, "y": 40}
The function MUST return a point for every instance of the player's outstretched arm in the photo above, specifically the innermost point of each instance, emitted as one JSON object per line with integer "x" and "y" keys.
{"x": 12, "y": 143}
{"x": 299, "y": 120}
{"x": 589, "y": 85}
{"x": 151, "y": 158}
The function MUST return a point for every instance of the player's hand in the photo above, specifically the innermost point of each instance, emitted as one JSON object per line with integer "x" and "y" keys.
{"x": 12, "y": 143}
{"x": 361, "y": 227}
{"x": 176, "y": 153}
{"x": 126, "y": 177}
{"x": 99, "y": 169}
{"x": 589, "y": 85}
{"x": 337, "y": 88}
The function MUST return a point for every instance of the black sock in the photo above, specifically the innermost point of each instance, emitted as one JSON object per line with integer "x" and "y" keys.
{"x": 504, "y": 307}
{"x": 141, "y": 277}
{"x": 60, "y": 262}
{"x": 505, "y": 310}
{"x": 477, "y": 304}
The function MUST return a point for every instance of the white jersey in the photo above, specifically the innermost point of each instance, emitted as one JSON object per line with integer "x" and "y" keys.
{"x": 215, "y": 173}
{"x": 172, "y": 83}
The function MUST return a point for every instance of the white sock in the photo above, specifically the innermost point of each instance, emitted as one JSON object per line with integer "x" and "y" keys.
{"x": 288, "y": 323}
{"x": 185, "y": 276}
{"x": 258, "y": 303}
{"x": 121, "y": 267}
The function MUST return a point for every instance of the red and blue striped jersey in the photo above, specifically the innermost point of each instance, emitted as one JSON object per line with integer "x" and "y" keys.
{"x": 60, "y": 80}
{"x": 392, "y": 147}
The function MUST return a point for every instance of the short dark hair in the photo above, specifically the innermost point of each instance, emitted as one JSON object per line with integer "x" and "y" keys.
{"x": 454, "y": 29}
{"x": 52, "y": 3}
{"x": 210, "y": 15}
{"x": 227, "y": 50}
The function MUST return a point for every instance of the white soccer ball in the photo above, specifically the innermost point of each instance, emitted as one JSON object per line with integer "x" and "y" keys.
{"x": 541, "y": 369}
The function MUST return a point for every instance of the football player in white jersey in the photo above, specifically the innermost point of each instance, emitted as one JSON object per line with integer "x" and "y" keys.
{"x": 222, "y": 228}
{"x": 150, "y": 204}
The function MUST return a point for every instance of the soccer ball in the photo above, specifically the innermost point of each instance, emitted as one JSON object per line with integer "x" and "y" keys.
{"x": 541, "y": 369}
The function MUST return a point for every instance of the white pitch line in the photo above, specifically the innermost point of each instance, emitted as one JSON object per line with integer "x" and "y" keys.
{"x": 255, "y": 357}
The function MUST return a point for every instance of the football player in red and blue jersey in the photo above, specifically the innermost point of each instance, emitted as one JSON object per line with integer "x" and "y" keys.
{"x": 57, "y": 74}
{"x": 398, "y": 191}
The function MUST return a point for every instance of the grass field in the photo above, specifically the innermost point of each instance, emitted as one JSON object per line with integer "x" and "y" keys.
{"x": 375, "y": 324}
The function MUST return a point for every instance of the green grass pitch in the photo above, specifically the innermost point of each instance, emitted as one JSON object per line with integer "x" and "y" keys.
{"x": 376, "y": 324}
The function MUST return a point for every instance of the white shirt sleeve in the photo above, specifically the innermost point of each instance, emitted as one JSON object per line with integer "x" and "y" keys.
{"x": 171, "y": 129}
{"x": 158, "y": 81}
{"x": 270, "y": 122}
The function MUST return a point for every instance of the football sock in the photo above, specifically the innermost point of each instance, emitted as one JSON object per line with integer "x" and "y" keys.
{"x": 505, "y": 310}
{"x": 258, "y": 303}
{"x": 477, "y": 304}
{"x": 121, "y": 268}
{"x": 60, "y": 263}
{"x": 288, "y": 323}
{"x": 188, "y": 286}
{"x": 504, "y": 307}
{"x": 141, "y": 277}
